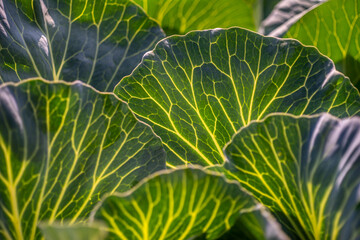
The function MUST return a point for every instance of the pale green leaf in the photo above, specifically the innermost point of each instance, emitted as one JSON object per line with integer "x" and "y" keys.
{"x": 334, "y": 28}
{"x": 305, "y": 170}
{"x": 56, "y": 231}
{"x": 97, "y": 42}
{"x": 197, "y": 90}
{"x": 181, "y": 16}
{"x": 63, "y": 146}
{"x": 174, "y": 204}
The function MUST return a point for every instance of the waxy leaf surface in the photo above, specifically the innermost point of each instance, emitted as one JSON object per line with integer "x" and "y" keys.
{"x": 97, "y": 42}
{"x": 334, "y": 28}
{"x": 305, "y": 170}
{"x": 285, "y": 14}
{"x": 181, "y": 16}
{"x": 174, "y": 204}
{"x": 197, "y": 90}
{"x": 62, "y": 146}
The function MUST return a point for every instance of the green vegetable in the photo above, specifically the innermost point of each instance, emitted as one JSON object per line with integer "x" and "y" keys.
{"x": 334, "y": 28}
{"x": 174, "y": 204}
{"x": 197, "y": 90}
{"x": 95, "y": 104}
{"x": 305, "y": 170}
{"x": 97, "y": 42}
{"x": 62, "y": 147}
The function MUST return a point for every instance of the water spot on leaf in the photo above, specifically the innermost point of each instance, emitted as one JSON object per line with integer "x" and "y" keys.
{"x": 43, "y": 44}
{"x": 49, "y": 20}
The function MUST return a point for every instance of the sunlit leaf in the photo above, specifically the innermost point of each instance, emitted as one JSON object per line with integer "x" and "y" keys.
{"x": 334, "y": 28}
{"x": 181, "y": 16}
{"x": 62, "y": 146}
{"x": 97, "y": 42}
{"x": 197, "y": 90}
{"x": 305, "y": 169}
{"x": 174, "y": 204}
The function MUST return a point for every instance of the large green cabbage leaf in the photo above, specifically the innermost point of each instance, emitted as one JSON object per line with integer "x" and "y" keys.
{"x": 62, "y": 147}
{"x": 175, "y": 204}
{"x": 97, "y": 42}
{"x": 334, "y": 28}
{"x": 305, "y": 170}
{"x": 197, "y": 90}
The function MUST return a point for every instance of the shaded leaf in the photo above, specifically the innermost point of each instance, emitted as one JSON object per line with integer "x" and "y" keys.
{"x": 256, "y": 224}
{"x": 197, "y": 90}
{"x": 305, "y": 170}
{"x": 62, "y": 146}
{"x": 97, "y": 42}
{"x": 174, "y": 204}
{"x": 268, "y": 7}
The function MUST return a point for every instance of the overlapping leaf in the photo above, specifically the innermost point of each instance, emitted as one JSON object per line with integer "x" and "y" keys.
{"x": 62, "y": 146}
{"x": 175, "y": 204}
{"x": 97, "y": 42}
{"x": 334, "y": 28}
{"x": 268, "y": 6}
{"x": 181, "y": 16}
{"x": 285, "y": 14}
{"x": 306, "y": 170}
{"x": 197, "y": 90}
{"x": 257, "y": 224}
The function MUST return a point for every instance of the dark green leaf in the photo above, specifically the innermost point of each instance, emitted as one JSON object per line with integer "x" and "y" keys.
{"x": 97, "y": 42}
{"x": 197, "y": 90}
{"x": 62, "y": 146}
{"x": 268, "y": 7}
{"x": 305, "y": 170}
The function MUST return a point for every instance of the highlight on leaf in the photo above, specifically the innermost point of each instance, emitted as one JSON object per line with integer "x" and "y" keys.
{"x": 285, "y": 14}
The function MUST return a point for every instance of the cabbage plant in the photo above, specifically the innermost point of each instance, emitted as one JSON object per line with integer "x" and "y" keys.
{"x": 244, "y": 124}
